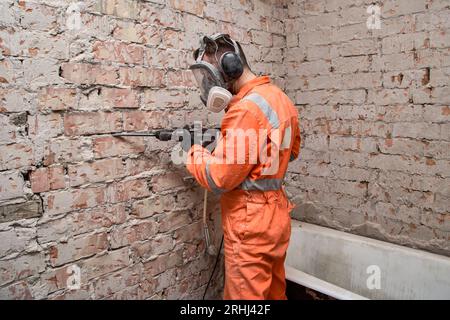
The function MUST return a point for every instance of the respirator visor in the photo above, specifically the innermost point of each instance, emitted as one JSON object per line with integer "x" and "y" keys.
{"x": 207, "y": 77}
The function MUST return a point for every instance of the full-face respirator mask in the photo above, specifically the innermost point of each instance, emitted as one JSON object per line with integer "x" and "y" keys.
{"x": 215, "y": 82}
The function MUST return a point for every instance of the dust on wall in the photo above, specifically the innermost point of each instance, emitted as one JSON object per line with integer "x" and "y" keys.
{"x": 374, "y": 111}
{"x": 374, "y": 108}
{"x": 77, "y": 203}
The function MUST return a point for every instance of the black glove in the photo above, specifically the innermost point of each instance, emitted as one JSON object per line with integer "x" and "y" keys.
{"x": 188, "y": 137}
{"x": 209, "y": 140}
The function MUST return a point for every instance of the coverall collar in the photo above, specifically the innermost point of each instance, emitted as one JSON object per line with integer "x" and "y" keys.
{"x": 246, "y": 89}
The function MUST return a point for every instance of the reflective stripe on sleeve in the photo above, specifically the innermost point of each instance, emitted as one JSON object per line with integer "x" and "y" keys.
{"x": 264, "y": 106}
{"x": 215, "y": 189}
{"x": 286, "y": 144}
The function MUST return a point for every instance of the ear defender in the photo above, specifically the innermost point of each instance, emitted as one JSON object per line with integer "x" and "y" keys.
{"x": 231, "y": 65}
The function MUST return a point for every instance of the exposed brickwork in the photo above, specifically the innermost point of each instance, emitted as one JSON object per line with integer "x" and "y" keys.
{"x": 374, "y": 113}
{"x": 70, "y": 193}
{"x": 374, "y": 108}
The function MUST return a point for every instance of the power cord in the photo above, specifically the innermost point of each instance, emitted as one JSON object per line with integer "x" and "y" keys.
{"x": 214, "y": 269}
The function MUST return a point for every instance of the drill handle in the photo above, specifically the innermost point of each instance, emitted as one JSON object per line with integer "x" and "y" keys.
{"x": 166, "y": 134}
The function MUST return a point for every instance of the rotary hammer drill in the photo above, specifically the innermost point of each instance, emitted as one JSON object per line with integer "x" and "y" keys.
{"x": 205, "y": 136}
{"x": 167, "y": 134}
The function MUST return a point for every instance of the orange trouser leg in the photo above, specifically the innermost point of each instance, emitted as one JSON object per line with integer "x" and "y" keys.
{"x": 253, "y": 275}
{"x": 256, "y": 237}
{"x": 248, "y": 274}
{"x": 278, "y": 286}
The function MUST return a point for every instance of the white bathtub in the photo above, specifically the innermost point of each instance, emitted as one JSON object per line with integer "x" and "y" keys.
{"x": 347, "y": 266}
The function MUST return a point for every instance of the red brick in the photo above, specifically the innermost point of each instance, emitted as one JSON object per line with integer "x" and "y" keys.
{"x": 190, "y": 198}
{"x": 71, "y": 200}
{"x": 56, "y": 99}
{"x": 17, "y": 42}
{"x": 108, "y": 263}
{"x": 11, "y": 185}
{"x": 16, "y": 291}
{"x": 189, "y": 233}
{"x": 15, "y": 155}
{"x": 141, "y": 77}
{"x": 181, "y": 78}
{"x": 241, "y": 34}
{"x": 125, "y": 235}
{"x": 111, "y": 146}
{"x": 114, "y": 283}
{"x": 188, "y": 288}
{"x": 138, "y": 33}
{"x": 68, "y": 150}
{"x": 21, "y": 267}
{"x": 10, "y": 71}
{"x": 18, "y": 239}
{"x": 15, "y": 100}
{"x": 148, "y": 207}
{"x": 56, "y": 279}
{"x": 45, "y": 125}
{"x": 145, "y": 120}
{"x": 148, "y": 249}
{"x": 169, "y": 99}
{"x": 44, "y": 179}
{"x": 100, "y": 170}
{"x": 120, "y": 8}
{"x": 129, "y": 293}
{"x": 84, "y": 73}
{"x": 138, "y": 165}
{"x": 43, "y": 18}
{"x": 167, "y": 181}
{"x": 106, "y": 99}
{"x": 161, "y": 17}
{"x": 83, "y": 293}
{"x": 174, "y": 220}
{"x": 191, "y": 6}
{"x": 92, "y": 122}
{"x": 127, "y": 190}
{"x": 121, "y": 98}
{"x": 118, "y": 52}
{"x": 81, "y": 222}
{"x": 77, "y": 248}
{"x": 198, "y": 268}
{"x": 171, "y": 58}
{"x": 172, "y": 38}
{"x": 166, "y": 279}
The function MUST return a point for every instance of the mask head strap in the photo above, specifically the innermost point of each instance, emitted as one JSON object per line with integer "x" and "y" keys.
{"x": 211, "y": 41}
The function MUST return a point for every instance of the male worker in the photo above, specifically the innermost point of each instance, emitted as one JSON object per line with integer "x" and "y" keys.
{"x": 255, "y": 209}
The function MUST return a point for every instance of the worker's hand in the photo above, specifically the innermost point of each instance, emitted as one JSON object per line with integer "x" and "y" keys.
{"x": 189, "y": 138}
{"x": 209, "y": 139}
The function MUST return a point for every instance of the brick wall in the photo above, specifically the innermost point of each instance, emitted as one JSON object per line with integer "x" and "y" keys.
{"x": 71, "y": 195}
{"x": 374, "y": 110}
{"x": 375, "y": 117}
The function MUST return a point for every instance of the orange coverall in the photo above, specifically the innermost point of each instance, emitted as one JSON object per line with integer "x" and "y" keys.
{"x": 255, "y": 209}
